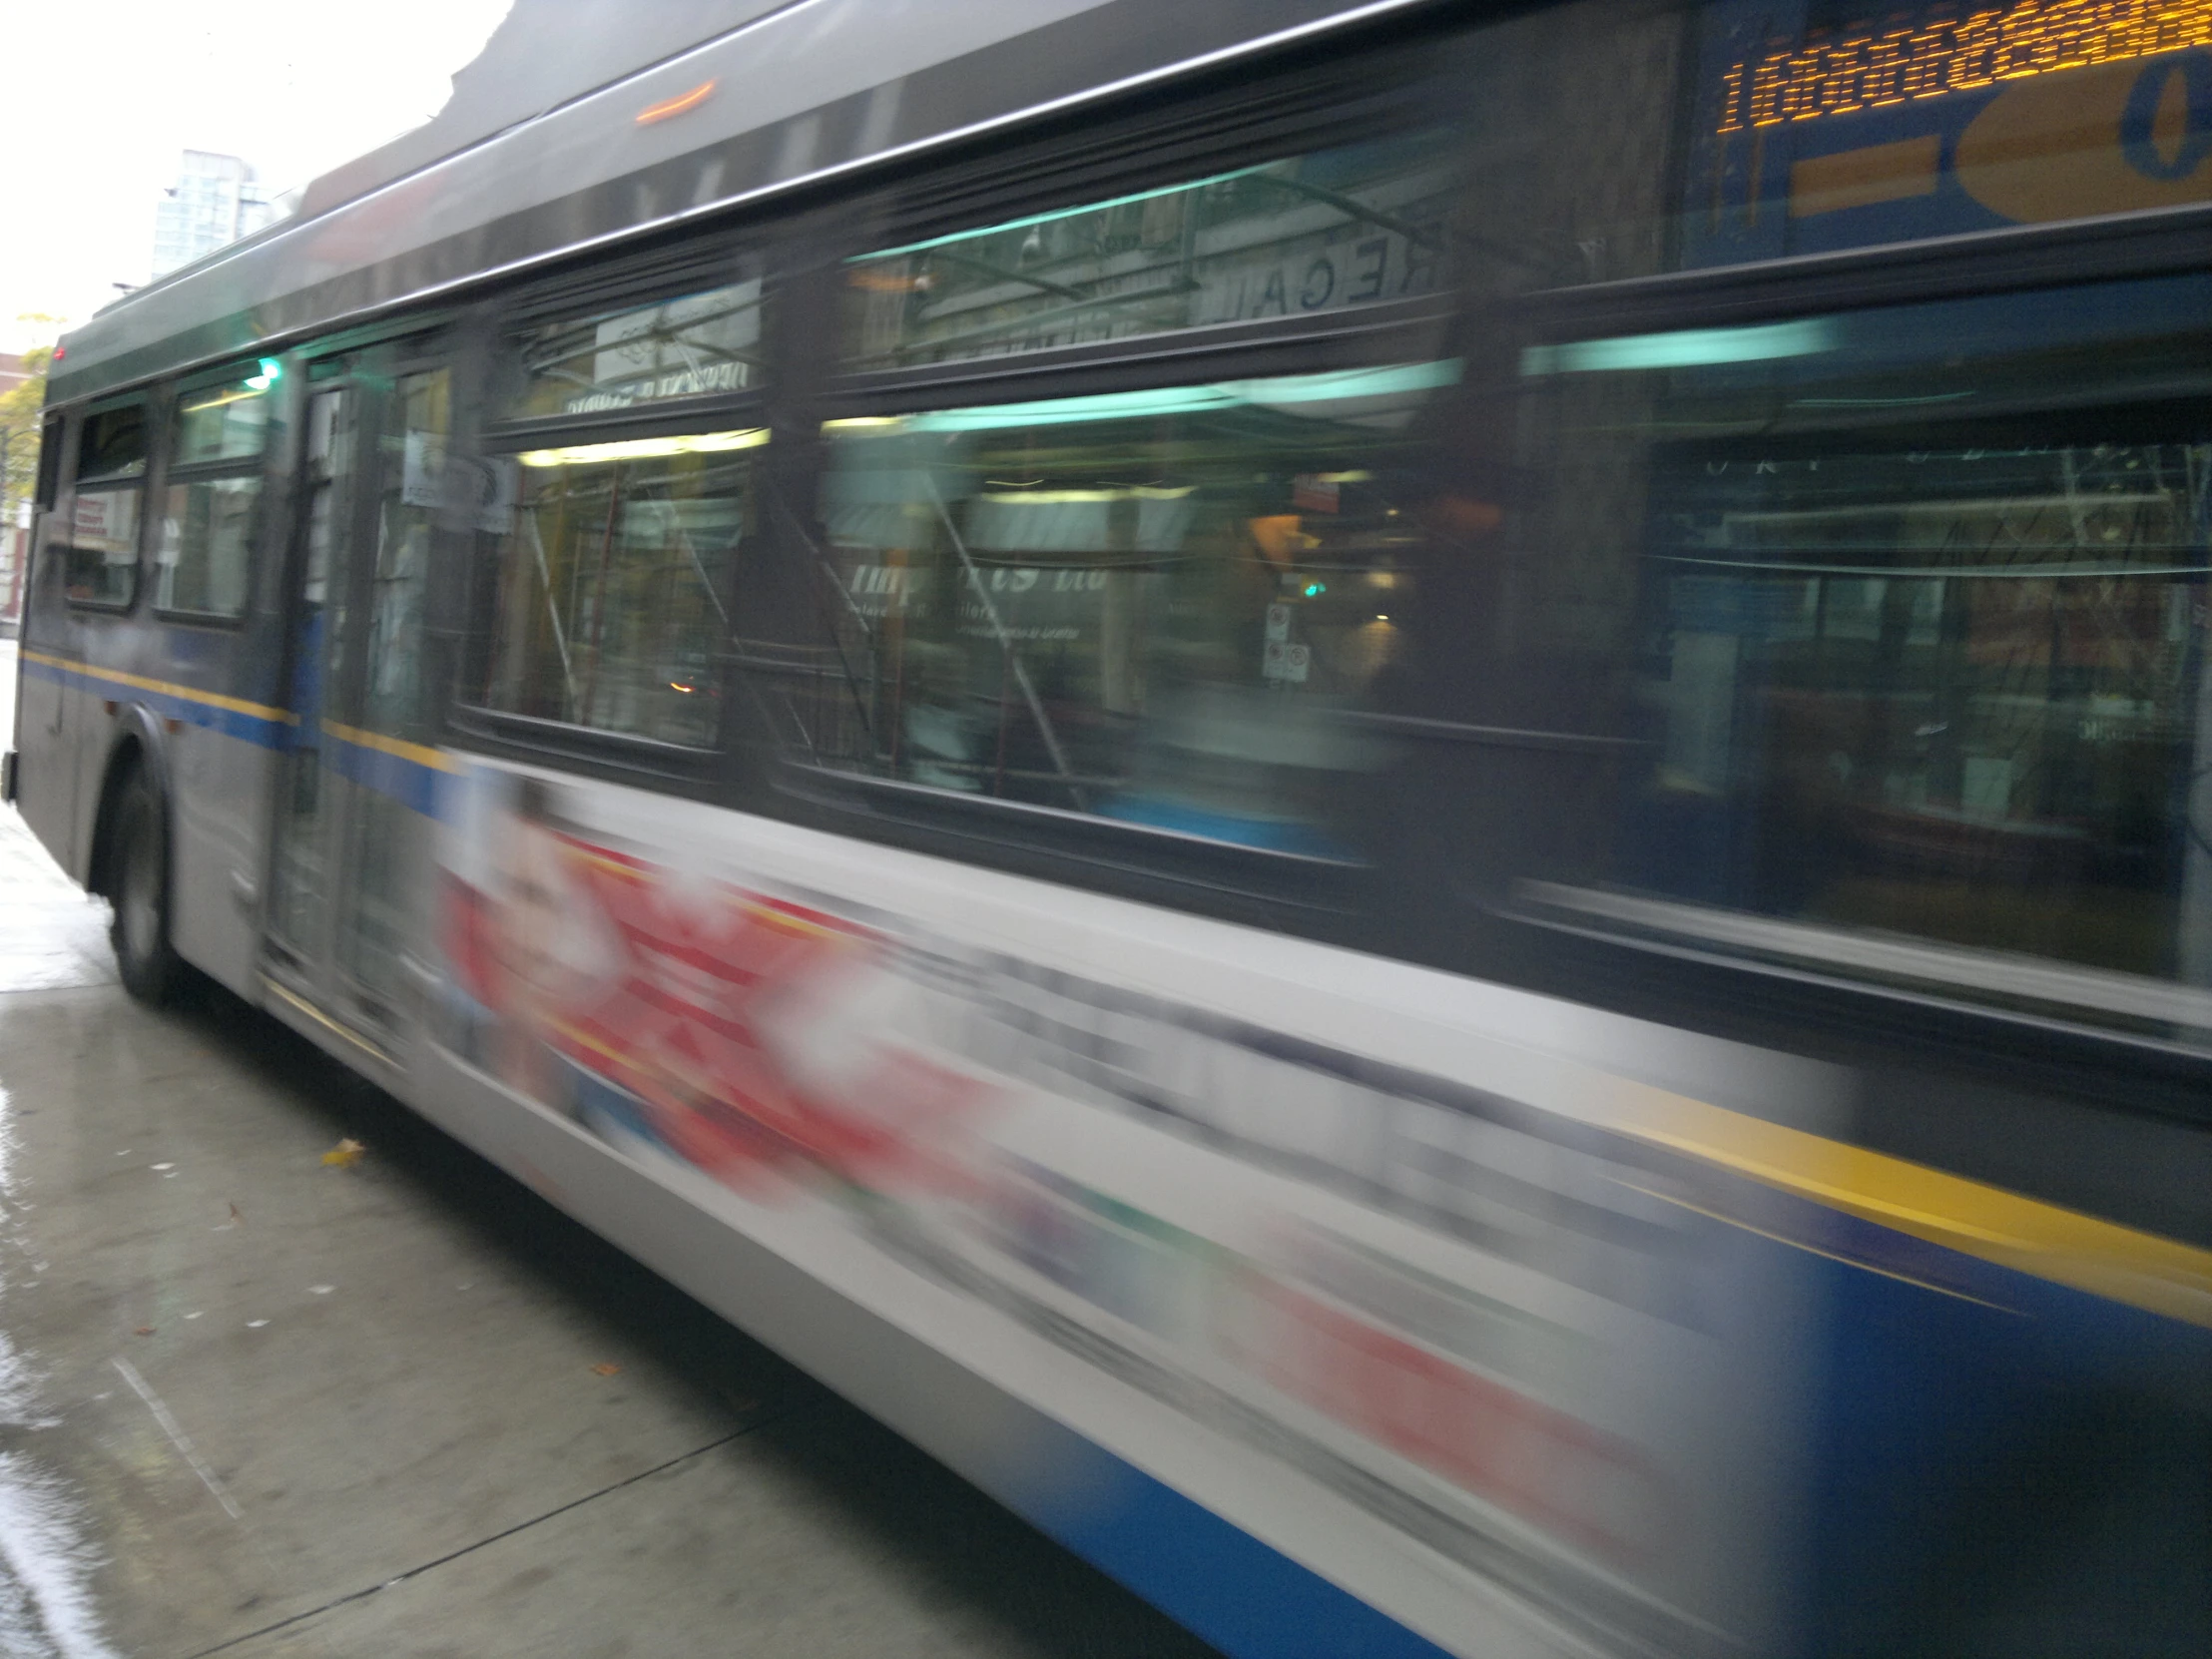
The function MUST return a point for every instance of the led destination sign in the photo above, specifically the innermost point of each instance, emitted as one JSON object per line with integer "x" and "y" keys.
{"x": 1954, "y": 54}
{"x": 1809, "y": 136}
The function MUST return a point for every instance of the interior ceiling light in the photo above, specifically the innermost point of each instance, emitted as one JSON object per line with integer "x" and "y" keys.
{"x": 644, "y": 450}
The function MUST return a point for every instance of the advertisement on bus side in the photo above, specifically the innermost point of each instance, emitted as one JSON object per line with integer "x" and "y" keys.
{"x": 1508, "y": 1335}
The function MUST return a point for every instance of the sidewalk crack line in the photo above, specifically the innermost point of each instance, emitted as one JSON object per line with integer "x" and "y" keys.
{"x": 734, "y": 1434}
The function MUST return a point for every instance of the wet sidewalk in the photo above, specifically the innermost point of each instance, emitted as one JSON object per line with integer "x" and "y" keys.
{"x": 262, "y": 1395}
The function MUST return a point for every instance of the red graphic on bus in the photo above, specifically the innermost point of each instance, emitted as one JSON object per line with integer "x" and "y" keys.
{"x": 742, "y": 1033}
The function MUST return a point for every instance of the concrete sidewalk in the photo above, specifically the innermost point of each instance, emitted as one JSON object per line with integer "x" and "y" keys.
{"x": 255, "y": 1403}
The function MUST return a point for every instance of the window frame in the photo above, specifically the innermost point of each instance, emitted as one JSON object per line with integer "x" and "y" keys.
{"x": 47, "y": 488}
{"x": 653, "y": 762}
{"x": 1170, "y": 862}
{"x": 1799, "y": 999}
{"x": 1304, "y": 105}
{"x": 1302, "y": 108}
{"x": 178, "y": 472}
{"x": 635, "y": 283}
{"x": 150, "y": 405}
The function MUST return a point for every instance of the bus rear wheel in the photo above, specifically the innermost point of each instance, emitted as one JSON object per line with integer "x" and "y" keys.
{"x": 139, "y": 889}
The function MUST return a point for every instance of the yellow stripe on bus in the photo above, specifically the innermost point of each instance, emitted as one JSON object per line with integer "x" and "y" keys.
{"x": 136, "y": 682}
{"x": 437, "y": 760}
{"x": 2027, "y": 1235}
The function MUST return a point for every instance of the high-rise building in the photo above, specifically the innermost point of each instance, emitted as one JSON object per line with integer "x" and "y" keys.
{"x": 215, "y": 201}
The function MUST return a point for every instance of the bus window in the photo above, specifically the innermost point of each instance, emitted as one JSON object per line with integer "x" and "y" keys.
{"x": 611, "y": 583}
{"x": 204, "y": 552}
{"x": 1151, "y": 605}
{"x": 113, "y": 443}
{"x": 1330, "y": 231}
{"x": 49, "y": 461}
{"x": 1909, "y": 659}
{"x": 703, "y": 344}
{"x": 100, "y": 562}
{"x": 224, "y": 422}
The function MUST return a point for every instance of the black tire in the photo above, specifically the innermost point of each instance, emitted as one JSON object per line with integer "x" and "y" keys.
{"x": 137, "y": 887}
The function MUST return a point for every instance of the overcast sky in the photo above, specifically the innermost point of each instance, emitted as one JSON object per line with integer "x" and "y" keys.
{"x": 100, "y": 100}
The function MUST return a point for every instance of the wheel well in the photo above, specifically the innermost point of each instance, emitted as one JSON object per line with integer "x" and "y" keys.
{"x": 129, "y": 756}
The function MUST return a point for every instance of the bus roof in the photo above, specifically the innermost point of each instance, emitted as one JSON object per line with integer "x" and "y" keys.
{"x": 795, "y": 93}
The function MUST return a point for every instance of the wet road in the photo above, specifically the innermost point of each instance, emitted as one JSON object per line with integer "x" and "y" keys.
{"x": 259, "y": 1404}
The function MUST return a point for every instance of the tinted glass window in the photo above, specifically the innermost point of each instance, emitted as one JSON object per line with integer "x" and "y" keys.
{"x": 206, "y": 550}
{"x": 1153, "y": 606}
{"x": 113, "y": 443}
{"x": 1913, "y": 654}
{"x": 1327, "y": 231}
{"x": 414, "y": 484}
{"x": 49, "y": 461}
{"x": 699, "y": 345}
{"x": 611, "y": 584}
{"x": 226, "y": 421}
{"x": 102, "y": 561}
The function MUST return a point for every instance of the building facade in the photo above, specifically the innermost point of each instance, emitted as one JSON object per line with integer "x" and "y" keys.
{"x": 215, "y": 201}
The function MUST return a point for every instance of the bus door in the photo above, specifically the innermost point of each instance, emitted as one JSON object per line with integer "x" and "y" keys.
{"x": 351, "y": 849}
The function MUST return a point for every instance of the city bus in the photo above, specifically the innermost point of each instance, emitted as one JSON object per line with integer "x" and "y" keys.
{"x": 1403, "y": 803}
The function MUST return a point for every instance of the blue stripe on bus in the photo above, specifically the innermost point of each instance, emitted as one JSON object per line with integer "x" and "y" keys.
{"x": 413, "y": 784}
{"x": 1213, "y": 1578}
{"x": 178, "y": 702}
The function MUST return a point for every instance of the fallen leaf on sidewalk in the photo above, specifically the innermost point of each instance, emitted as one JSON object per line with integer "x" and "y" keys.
{"x": 144, "y": 1330}
{"x": 606, "y": 1369}
{"x": 345, "y": 1152}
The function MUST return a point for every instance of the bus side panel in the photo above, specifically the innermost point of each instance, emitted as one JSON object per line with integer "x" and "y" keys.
{"x": 95, "y": 725}
{"x": 1364, "y": 1263}
{"x": 219, "y": 783}
{"x": 1237, "y": 1592}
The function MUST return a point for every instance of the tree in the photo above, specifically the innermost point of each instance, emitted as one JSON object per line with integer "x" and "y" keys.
{"x": 20, "y": 408}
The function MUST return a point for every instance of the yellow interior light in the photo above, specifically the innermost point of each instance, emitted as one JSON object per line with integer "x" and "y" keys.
{"x": 646, "y": 449}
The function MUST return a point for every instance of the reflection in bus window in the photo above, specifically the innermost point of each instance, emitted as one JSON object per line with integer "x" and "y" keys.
{"x": 224, "y": 422}
{"x": 610, "y": 611}
{"x": 113, "y": 443}
{"x": 1905, "y": 663}
{"x": 1152, "y": 606}
{"x": 101, "y": 556}
{"x": 397, "y": 687}
{"x": 700, "y": 345}
{"x": 207, "y": 546}
{"x": 412, "y": 489}
{"x": 204, "y": 551}
{"x": 1329, "y": 231}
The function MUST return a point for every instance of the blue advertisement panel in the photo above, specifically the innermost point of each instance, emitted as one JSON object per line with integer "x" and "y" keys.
{"x": 1810, "y": 135}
